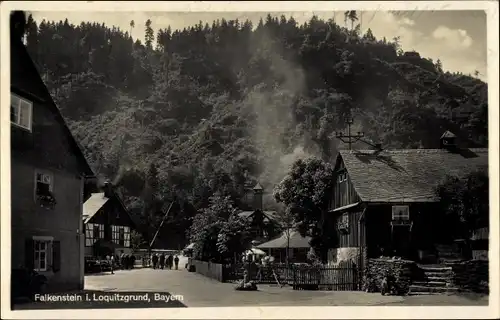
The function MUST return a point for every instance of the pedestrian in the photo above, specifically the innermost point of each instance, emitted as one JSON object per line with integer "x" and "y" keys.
{"x": 132, "y": 263}
{"x": 155, "y": 260}
{"x": 122, "y": 260}
{"x": 112, "y": 263}
{"x": 176, "y": 261}
{"x": 170, "y": 261}
{"x": 162, "y": 260}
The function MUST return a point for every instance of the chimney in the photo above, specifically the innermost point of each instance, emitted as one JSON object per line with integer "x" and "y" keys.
{"x": 448, "y": 140}
{"x": 108, "y": 189}
{"x": 257, "y": 196}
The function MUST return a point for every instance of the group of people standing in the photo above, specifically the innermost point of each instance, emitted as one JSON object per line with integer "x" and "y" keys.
{"x": 127, "y": 261}
{"x": 162, "y": 261}
{"x": 124, "y": 261}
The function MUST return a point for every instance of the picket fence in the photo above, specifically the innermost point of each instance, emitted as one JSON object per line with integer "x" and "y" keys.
{"x": 344, "y": 277}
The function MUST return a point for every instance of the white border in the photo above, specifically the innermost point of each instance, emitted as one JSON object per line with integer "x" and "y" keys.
{"x": 492, "y": 311}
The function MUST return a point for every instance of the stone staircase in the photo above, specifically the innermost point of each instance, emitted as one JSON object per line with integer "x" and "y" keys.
{"x": 435, "y": 279}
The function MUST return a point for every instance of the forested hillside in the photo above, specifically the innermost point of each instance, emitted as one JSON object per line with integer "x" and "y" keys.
{"x": 225, "y": 102}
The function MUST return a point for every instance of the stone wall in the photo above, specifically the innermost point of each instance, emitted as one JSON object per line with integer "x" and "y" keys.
{"x": 401, "y": 270}
{"x": 472, "y": 275}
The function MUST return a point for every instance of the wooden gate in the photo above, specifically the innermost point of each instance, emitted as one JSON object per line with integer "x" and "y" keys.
{"x": 337, "y": 278}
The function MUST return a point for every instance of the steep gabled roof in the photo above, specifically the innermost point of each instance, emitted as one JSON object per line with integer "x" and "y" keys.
{"x": 97, "y": 201}
{"x": 268, "y": 215}
{"x": 258, "y": 187}
{"x": 34, "y": 76}
{"x": 409, "y": 175}
{"x": 92, "y": 205}
{"x": 448, "y": 134}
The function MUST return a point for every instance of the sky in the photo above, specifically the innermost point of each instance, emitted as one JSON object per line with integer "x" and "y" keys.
{"x": 457, "y": 38}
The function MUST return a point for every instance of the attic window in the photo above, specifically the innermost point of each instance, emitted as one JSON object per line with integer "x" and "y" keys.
{"x": 21, "y": 111}
{"x": 342, "y": 177}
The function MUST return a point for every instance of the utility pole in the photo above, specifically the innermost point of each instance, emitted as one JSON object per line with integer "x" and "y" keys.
{"x": 350, "y": 138}
{"x": 161, "y": 224}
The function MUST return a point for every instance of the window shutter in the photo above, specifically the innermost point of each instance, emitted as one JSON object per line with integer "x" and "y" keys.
{"x": 29, "y": 254}
{"x": 56, "y": 256}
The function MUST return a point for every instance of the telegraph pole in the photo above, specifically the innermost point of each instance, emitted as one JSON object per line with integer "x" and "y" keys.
{"x": 349, "y": 138}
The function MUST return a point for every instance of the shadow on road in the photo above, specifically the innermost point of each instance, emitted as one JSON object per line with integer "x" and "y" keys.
{"x": 93, "y": 299}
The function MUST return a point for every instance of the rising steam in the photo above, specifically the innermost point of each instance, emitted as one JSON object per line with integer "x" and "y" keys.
{"x": 274, "y": 119}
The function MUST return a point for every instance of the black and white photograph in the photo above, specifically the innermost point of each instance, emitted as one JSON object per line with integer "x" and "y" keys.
{"x": 202, "y": 155}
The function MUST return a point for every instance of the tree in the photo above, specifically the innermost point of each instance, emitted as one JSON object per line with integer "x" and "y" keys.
{"x": 439, "y": 66}
{"x": 149, "y": 36}
{"x": 305, "y": 191}
{"x": 285, "y": 220}
{"x": 351, "y": 15}
{"x": 136, "y": 240}
{"x": 132, "y": 25}
{"x": 465, "y": 202}
{"x": 218, "y": 232}
{"x": 234, "y": 237}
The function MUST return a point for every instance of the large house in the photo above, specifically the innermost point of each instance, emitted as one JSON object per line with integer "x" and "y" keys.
{"x": 48, "y": 171}
{"x": 384, "y": 203}
{"x": 107, "y": 224}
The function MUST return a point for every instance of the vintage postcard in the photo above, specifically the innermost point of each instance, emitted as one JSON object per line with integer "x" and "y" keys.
{"x": 249, "y": 159}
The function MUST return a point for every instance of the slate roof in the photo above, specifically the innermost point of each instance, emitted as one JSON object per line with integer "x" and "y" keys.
{"x": 92, "y": 205}
{"x": 409, "y": 175}
{"x": 296, "y": 241}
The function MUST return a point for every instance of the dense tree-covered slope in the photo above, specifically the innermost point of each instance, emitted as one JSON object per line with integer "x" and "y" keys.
{"x": 215, "y": 105}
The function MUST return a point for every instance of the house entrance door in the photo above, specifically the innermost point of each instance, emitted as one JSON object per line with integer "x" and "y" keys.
{"x": 401, "y": 241}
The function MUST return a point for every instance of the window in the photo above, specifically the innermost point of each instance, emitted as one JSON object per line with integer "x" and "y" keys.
{"x": 121, "y": 239}
{"x": 43, "y": 253}
{"x": 121, "y": 235}
{"x": 42, "y": 249}
{"x": 93, "y": 232}
{"x": 44, "y": 184}
{"x": 20, "y": 111}
{"x": 344, "y": 221}
{"x": 400, "y": 213}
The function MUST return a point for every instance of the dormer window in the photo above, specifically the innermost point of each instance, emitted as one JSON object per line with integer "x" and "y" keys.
{"x": 21, "y": 111}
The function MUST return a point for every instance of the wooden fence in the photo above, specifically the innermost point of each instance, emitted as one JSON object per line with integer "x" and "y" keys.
{"x": 338, "y": 278}
{"x": 208, "y": 269}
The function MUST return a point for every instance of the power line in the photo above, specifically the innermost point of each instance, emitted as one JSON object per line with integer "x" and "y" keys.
{"x": 351, "y": 138}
